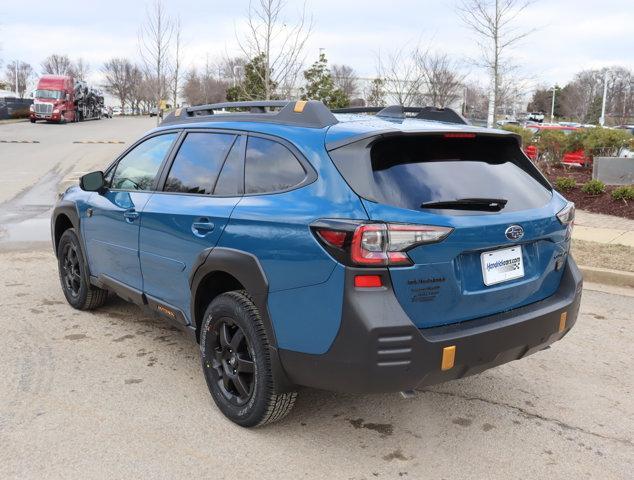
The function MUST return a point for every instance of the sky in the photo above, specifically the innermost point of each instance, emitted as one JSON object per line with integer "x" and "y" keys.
{"x": 570, "y": 35}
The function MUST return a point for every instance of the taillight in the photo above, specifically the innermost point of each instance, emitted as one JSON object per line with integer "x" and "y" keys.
{"x": 375, "y": 244}
{"x": 567, "y": 217}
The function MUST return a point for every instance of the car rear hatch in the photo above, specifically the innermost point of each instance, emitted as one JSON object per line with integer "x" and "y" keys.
{"x": 506, "y": 247}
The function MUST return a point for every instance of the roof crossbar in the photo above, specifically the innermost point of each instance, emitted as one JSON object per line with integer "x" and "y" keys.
{"x": 311, "y": 113}
{"x": 399, "y": 112}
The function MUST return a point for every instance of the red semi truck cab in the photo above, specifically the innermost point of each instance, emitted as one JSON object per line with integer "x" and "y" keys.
{"x": 54, "y": 100}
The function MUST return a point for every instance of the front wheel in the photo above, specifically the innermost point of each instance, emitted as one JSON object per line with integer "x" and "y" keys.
{"x": 73, "y": 274}
{"x": 237, "y": 364}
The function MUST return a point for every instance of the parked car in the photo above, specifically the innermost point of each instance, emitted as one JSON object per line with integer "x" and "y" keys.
{"x": 537, "y": 117}
{"x": 106, "y": 112}
{"x": 116, "y": 110}
{"x": 302, "y": 247}
{"x": 578, "y": 157}
{"x": 154, "y": 112}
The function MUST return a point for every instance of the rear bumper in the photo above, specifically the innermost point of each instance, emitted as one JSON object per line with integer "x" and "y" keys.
{"x": 378, "y": 348}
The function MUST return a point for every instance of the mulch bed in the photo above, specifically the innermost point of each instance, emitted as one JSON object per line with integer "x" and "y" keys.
{"x": 603, "y": 203}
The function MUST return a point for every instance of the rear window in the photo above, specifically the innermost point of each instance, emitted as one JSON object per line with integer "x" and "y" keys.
{"x": 409, "y": 171}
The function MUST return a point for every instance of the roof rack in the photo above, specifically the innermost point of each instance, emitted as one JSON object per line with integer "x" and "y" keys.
{"x": 398, "y": 111}
{"x": 310, "y": 113}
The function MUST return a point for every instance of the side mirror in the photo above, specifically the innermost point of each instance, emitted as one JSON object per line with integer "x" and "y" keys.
{"x": 92, "y": 182}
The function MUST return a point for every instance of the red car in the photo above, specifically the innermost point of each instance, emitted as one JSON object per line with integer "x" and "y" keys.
{"x": 577, "y": 157}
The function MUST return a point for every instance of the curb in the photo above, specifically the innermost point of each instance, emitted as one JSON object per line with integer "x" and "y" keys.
{"x": 607, "y": 277}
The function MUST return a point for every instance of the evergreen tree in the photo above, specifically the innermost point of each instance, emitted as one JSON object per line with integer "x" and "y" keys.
{"x": 252, "y": 87}
{"x": 321, "y": 86}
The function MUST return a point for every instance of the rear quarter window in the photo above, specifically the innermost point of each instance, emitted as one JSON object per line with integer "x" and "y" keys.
{"x": 409, "y": 171}
{"x": 270, "y": 167}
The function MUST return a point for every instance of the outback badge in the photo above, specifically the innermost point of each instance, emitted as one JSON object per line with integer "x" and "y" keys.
{"x": 514, "y": 232}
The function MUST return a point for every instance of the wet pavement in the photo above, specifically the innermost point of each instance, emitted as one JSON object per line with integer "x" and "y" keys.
{"x": 35, "y": 173}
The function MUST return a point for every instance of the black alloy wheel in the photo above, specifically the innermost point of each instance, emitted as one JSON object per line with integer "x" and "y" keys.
{"x": 232, "y": 363}
{"x": 71, "y": 270}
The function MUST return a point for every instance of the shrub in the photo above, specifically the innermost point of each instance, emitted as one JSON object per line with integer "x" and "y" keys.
{"x": 574, "y": 141}
{"x": 525, "y": 133}
{"x": 565, "y": 183}
{"x": 551, "y": 146}
{"x": 22, "y": 113}
{"x": 593, "y": 187}
{"x": 626, "y": 192}
{"x": 605, "y": 141}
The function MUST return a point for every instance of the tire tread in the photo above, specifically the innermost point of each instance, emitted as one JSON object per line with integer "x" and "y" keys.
{"x": 278, "y": 404}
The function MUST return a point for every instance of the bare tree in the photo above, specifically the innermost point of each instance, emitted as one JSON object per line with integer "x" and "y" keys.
{"x": 345, "y": 79}
{"x": 280, "y": 44}
{"x": 155, "y": 36}
{"x": 203, "y": 88}
{"x": 401, "y": 75}
{"x": 443, "y": 79}
{"x": 58, "y": 65}
{"x": 375, "y": 94}
{"x": 475, "y": 101}
{"x": 81, "y": 68}
{"x": 493, "y": 23}
{"x": 139, "y": 92}
{"x": 231, "y": 69}
{"x": 177, "y": 62}
{"x": 20, "y": 72}
{"x": 118, "y": 79}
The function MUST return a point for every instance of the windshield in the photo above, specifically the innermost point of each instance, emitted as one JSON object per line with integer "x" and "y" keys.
{"x": 56, "y": 94}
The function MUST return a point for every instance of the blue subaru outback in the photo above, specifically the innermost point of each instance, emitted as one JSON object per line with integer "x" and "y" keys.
{"x": 330, "y": 249}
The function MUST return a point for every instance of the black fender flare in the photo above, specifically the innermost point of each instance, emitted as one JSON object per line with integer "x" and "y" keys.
{"x": 69, "y": 209}
{"x": 245, "y": 268}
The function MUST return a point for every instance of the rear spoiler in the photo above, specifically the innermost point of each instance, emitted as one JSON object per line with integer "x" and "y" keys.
{"x": 449, "y": 133}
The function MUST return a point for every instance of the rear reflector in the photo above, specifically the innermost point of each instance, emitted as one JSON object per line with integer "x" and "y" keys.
{"x": 448, "y": 358}
{"x": 368, "y": 281}
{"x": 562, "y": 321}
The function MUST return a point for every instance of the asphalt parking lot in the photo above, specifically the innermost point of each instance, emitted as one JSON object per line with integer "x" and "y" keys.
{"x": 117, "y": 393}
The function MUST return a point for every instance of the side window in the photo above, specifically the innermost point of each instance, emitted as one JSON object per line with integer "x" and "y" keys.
{"x": 270, "y": 167}
{"x": 138, "y": 169}
{"x": 198, "y": 162}
{"x": 231, "y": 176}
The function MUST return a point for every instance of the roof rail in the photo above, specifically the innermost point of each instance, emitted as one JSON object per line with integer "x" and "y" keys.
{"x": 398, "y": 111}
{"x": 310, "y": 113}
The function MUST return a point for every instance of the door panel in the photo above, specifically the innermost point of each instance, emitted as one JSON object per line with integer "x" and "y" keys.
{"x": 175, "y": 229}
{"x": 111, "y": 235}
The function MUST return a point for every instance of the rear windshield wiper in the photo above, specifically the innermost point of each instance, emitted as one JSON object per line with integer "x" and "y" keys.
{"x": 479, "y": 204}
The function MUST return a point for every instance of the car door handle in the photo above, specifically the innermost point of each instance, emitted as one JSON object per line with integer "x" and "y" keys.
{"x": 202, "y": 228}
{"x": 131, "y": 215}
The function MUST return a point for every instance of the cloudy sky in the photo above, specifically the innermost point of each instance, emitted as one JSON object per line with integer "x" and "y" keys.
{"x": 571, "y": 34}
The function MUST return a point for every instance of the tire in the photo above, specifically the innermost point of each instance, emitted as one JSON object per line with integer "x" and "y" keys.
{"x": 222, "y": 348}
{"x": 73, "y": 275}
{"x": 32, "y": 120}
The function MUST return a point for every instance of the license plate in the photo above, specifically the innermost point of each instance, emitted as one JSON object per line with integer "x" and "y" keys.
{"x": 502, "y": 265}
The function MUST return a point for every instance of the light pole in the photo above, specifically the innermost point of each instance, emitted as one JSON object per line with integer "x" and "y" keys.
{"x": 552, "y": 107}
{"x": 605, "y": 96}
{"x": 17, "y": 92}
